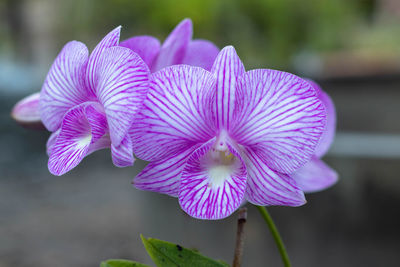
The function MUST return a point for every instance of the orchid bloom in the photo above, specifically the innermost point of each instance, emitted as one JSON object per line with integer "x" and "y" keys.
{"x": 315, "y": 175}
{"x": 178, "y": 48}
{"x": 89, "y": 102}
{"x": 216, "y": 138}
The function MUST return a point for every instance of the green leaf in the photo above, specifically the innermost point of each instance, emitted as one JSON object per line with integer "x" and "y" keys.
{"x": 165, "y": 254}
{"x": 121, "y": 263}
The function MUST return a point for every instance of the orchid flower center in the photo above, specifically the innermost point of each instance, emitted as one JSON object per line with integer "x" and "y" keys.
{"x": 220, "y": 162}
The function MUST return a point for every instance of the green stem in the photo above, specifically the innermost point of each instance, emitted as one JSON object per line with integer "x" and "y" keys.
{"x": 275, "y": 234}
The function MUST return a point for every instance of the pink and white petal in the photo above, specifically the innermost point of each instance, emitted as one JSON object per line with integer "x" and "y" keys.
{"x": 51, "y": 141}
{"x": 201, "y": 53}
{"x": 212, "y": 185}
{"x": 147, "y": 47}
{"x": 26, "y": 112}
{"x": 228, "y": 68}
{"x": 174, "y": 47}
{"x": 315, "y": 176}
{"x": 163, "y": 176}
{"x": 266, "y": 187}
{"x": 176, "y": 113}
{"x": 121, "y": 85}
{"x": 279, "y": 117}
{"x": 102, "y": 143}
{"x": 64, "y": 86}
{"x": 122, "y": 155}
{"x": 110, "y": 40}
{"x": 81, "y": 126}
{"x": 97, "y": 120}
{"x": 330, "y": 128}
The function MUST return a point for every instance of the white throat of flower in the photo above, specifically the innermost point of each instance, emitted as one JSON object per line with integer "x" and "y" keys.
{"x": 84, "y": 140}
{"x": 220, "y": 162}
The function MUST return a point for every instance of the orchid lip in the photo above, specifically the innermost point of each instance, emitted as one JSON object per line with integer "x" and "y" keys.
{"x": 220, "y": 167}
{"x": 219, "y": 162}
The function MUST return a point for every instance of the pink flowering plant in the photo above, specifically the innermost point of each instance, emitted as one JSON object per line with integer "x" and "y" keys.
{"x": 216, "y": 136}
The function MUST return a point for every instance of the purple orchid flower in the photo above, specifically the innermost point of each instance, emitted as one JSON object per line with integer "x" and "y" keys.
{"x": 178, "y": 48}
{"x": 315, "y": 175}
{"x": 217, "y": 138}
{"x": 89, "y": 102}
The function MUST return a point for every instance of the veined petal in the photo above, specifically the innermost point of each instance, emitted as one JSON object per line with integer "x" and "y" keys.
{"x": 51, "y": 141}
{"x": 64, "y": 86}
{"x": 315, "y": 176}
{"x": 163, "y": 176}
{"x": 147, "y": 47}
{"x": 174, "y": 47}
{"x": 26, "y": 112}
{"x": 201, "y": 53}
{"x": 266, "y": 187}
{"x": 176, "y": 114}
{"x": 330, "y": 128}
{"x": 122, "y": 155}
{"x": 121, "y": 85}
{"x": 110, "y": 40}
{"x": 279, "y": 117}
{"x": 213, "y": 183}
{"x": 102, "y": 143}
{"x": 228, "y": 68}
{"x": 81, "y": 126}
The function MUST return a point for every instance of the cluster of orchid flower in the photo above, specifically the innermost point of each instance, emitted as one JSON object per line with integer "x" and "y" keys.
{"x": 215, "y": 134}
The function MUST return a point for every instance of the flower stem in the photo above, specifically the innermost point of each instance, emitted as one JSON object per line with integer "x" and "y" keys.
{"x": 242, "y": 216}
{"x": 275, "y": 234}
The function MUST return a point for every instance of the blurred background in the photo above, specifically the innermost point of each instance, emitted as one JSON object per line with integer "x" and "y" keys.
{"x": 352, "y": 48}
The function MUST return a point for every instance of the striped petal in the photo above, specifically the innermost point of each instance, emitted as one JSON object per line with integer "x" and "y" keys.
{"x": 279, "y": 117}
{"x": 176, "y": 114}
{"x": 64, "y": 85}
{"x": 174, "y": 47}
{"x": 266, "y": 187}
{"x": 51, "y": 141}
{"x": 121, "y": 86}
{"x": 330, "y": 128}
{"x": 26, "y": 112}
{"x": 122, "y": 155}
{"x": 201, "y": 53}
{"x": 82, "y": 126}
{"x": 110, "y": 40}
{"x": 163, "y": 176}
{"x": 228, "y": 68}
{"x": 102, "y": 143}
{"x": 147, "y": 47}
{"x": 213, "y": 182}
{"x": 315, "y": 176}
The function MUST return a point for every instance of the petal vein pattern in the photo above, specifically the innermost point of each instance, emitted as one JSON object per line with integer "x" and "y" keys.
{"x": 267, "y": 187}
{"x": 213, "y": 183}
{"x": 110, "y": 40}
{"x": 279, "y": 117}
{"x": 176, "y": 114}
{"x": 163, "y": 176}
{"x": 82, "y": 126}
{"x": 64, "y": 85}
{"x": 227, "y": 68}
{"x": 121, "y": 87}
